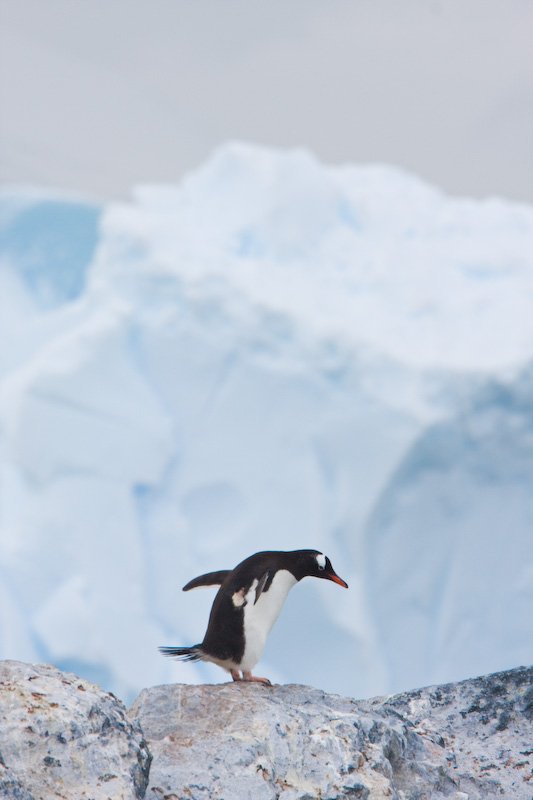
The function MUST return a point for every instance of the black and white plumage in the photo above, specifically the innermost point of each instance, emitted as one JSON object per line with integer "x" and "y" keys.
{"x": 247, "y": 605}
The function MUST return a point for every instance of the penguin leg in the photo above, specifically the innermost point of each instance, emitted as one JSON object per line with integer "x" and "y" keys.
{"x": 247, "y": 676}
{"x": 235, "y": 674}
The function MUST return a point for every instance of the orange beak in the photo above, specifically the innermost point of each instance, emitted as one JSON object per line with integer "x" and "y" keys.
{"x": 335, "y": 578}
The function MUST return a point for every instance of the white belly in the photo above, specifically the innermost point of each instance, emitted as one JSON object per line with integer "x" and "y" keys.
{"x": 259, "y": 618}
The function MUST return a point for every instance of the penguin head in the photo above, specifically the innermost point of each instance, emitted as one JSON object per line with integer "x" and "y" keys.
{"x": 316, "y": 565}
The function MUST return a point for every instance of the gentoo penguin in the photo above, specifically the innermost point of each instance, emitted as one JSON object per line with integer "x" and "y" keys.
{"x": 247, "y": 605}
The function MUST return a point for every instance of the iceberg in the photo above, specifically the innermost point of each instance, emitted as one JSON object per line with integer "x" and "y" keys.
{"x": 272, "y": 354}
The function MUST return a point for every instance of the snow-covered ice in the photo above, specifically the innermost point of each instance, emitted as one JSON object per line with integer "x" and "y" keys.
{"x": 272, "y": 354}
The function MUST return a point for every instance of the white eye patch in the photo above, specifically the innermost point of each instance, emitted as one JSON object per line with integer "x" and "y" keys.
{"x": 321, "y": 561}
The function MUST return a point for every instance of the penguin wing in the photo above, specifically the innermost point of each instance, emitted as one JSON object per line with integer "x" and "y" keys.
{"x": 264, "y": 580}
{"x": 209, "y": 579}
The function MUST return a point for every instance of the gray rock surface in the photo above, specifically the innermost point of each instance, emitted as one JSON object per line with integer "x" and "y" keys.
{"x": 10, "y": 787}
{"x": 469, "y": 741}
{"x": 63, "y": 738}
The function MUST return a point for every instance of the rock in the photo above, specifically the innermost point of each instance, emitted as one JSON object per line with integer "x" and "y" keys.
{"x": 466, "y": 741}
{"x": 10, "y": 787}
{"x": 61, "y": 737}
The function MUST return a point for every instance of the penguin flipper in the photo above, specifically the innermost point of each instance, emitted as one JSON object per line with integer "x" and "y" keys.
{"x": 261, "y": 585}
{"x": 210, "y": 579}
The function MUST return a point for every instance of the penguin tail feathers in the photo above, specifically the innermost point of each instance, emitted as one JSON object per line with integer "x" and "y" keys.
{"x": 183, "y": 653}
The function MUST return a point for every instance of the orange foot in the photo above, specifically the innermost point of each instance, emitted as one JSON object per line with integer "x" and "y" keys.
{"x": 247, "y": 676}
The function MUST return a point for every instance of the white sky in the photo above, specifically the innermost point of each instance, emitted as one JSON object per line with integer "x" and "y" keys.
{"x": 97, "y": 95}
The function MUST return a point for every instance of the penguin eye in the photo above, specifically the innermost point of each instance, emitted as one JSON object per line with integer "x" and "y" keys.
{"x": 321, "y": 567}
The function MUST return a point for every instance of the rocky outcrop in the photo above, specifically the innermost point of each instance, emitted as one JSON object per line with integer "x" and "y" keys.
{"x": 62, "y": 738}
{"x": 469, "y": 741}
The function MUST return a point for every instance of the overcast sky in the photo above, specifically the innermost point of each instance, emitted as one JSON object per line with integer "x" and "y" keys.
{"x": 98, "y": 95}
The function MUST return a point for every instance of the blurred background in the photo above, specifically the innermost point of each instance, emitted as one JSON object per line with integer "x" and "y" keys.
{"x": 266, "y": 282}
{"x": 99, "y": 96}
